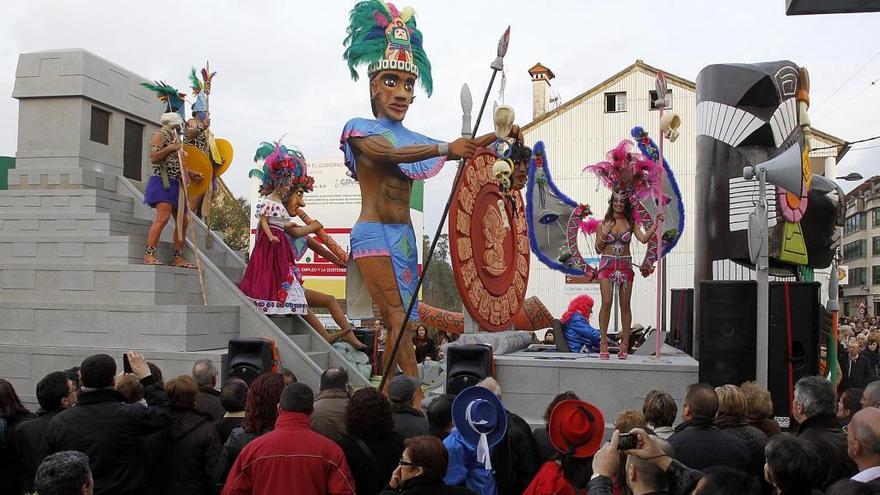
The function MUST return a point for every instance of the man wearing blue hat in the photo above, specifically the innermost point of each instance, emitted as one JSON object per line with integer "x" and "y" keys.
{"x": 480, "y": 424}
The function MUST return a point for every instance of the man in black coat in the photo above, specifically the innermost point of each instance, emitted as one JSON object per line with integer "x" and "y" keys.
{"x": 515, "y": 459}
{"x": 856, "y": 369}
{"x": 698, "y": 443}
{"x": 107, "y": 429}
{"x": 55, "y": 393}
{"x": 408, "y": 421}
{"x": 814, "y": 409}
{"x": 208, "y": 401}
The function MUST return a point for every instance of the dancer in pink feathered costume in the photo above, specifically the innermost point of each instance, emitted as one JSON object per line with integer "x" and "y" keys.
{"x": 631, "y": 177}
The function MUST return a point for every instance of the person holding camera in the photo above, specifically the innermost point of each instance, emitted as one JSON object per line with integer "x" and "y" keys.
{"x": 643, "y": 476}
{"x": 651, "y": 469}
{"x": 107, "y": 429}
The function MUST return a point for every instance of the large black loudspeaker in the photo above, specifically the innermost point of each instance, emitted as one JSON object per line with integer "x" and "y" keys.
{"x": 727, "y": 332}
{"x": 249, "y": 357}
{"x": 728, "y": 335}
{"x": 681, "y": 320}
{"x": 466, "y": 365}
{"x": 800, "y": 313}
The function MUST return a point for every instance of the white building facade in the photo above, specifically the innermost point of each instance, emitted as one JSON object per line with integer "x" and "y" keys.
{"x": 581, "y": 131}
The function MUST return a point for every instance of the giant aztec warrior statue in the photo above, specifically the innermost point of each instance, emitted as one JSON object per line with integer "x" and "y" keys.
{"x": 385, "y": 157}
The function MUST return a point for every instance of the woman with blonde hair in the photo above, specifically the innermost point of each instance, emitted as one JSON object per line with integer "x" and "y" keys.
{"x": 760, "y": 408}
{"x": 733, "y": 409}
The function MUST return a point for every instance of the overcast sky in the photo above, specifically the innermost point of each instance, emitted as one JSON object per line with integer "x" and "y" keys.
{"x": 280, "y": 67}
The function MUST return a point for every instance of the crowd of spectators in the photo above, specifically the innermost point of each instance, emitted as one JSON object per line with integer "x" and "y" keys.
{"x": 135, "y": 433}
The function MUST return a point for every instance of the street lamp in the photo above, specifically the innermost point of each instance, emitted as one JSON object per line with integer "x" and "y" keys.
{"x": 833, "y": 305}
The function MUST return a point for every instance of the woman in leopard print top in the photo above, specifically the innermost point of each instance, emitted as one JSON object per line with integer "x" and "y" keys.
{"x": 163, "y": 190}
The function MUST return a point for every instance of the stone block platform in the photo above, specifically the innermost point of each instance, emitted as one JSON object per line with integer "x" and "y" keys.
{"x": 530, "y": 380}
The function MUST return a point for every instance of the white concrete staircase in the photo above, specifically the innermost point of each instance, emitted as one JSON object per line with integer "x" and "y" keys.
{"x": 72, "y": 283}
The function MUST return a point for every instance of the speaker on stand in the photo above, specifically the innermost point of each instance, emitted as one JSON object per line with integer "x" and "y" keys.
{"x": 249, "y": 357}
{"x": 466, "y": 365}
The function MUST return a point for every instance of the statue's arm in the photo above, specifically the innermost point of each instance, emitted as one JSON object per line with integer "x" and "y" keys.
{"x": 377, "y": 149}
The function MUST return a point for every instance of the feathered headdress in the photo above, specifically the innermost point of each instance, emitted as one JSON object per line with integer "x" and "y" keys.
{"x": 200, "y": 88}
{"x": 282, "y": 165}
{"x": 384, "y": 38}
{"x": 168, "y": 95}
{"x": 627, "y": 173}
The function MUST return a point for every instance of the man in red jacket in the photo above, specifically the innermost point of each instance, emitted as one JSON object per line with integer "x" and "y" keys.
{"x": 291, "y": 459}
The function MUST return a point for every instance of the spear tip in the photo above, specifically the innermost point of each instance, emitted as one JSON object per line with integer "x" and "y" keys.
{"x": 467, "y": 102}
{"x": 503, "y": 42}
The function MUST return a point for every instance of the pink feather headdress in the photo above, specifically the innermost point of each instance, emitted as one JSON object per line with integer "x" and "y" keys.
{"x": 627, "y": 173}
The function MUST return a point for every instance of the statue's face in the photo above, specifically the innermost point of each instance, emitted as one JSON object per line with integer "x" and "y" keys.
{"x": 392, "y": 93}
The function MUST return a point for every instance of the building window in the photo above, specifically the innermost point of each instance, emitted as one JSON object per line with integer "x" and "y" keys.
{"x": 855, "y": 249}
{"x": 875, "y": 248}
{"x": 652, "y": 96}
{"x": 875, "y": 275}
{"x": 100, "y": 129}
{"x": 615, "y": 102}
{"x": 875, "y": 213}
{"x": 858, "y": 276}
{"x": 133, "y": 150}
{"x": 855, "y": 223}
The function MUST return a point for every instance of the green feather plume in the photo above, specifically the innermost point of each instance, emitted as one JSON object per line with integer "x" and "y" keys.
{"x": 365, "y": 40}
{"x": 194, "y": 81}
{"x": 264, "y": 150}
{"x": 162, "y": 89}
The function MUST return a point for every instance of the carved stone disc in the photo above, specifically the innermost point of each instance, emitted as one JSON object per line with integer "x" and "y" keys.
{"x": 489, "y": 245}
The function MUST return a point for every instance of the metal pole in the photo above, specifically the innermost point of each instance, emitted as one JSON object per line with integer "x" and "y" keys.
{"x": 659, "y": 233}
{"x": 763, "y": 277}
{"x": 616, "y": 294}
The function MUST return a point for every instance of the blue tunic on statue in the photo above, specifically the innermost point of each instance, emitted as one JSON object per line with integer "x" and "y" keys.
{"x": 398, "y": 136}
{"x": 395, "y": 240}
{"x": 579, "y": 332}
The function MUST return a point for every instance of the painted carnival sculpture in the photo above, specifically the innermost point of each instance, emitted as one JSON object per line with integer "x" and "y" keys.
{"x": 385, "y": 158}
{"x": 748, "y": 114}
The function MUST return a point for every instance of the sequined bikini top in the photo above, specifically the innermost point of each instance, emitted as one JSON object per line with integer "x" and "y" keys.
{"x": 618, "y": 241}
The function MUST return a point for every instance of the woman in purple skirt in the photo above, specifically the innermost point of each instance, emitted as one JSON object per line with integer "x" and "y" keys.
{"x": 164, "y": 190}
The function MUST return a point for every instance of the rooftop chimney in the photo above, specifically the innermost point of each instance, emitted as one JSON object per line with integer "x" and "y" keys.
{"x": 541, "y": 77}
